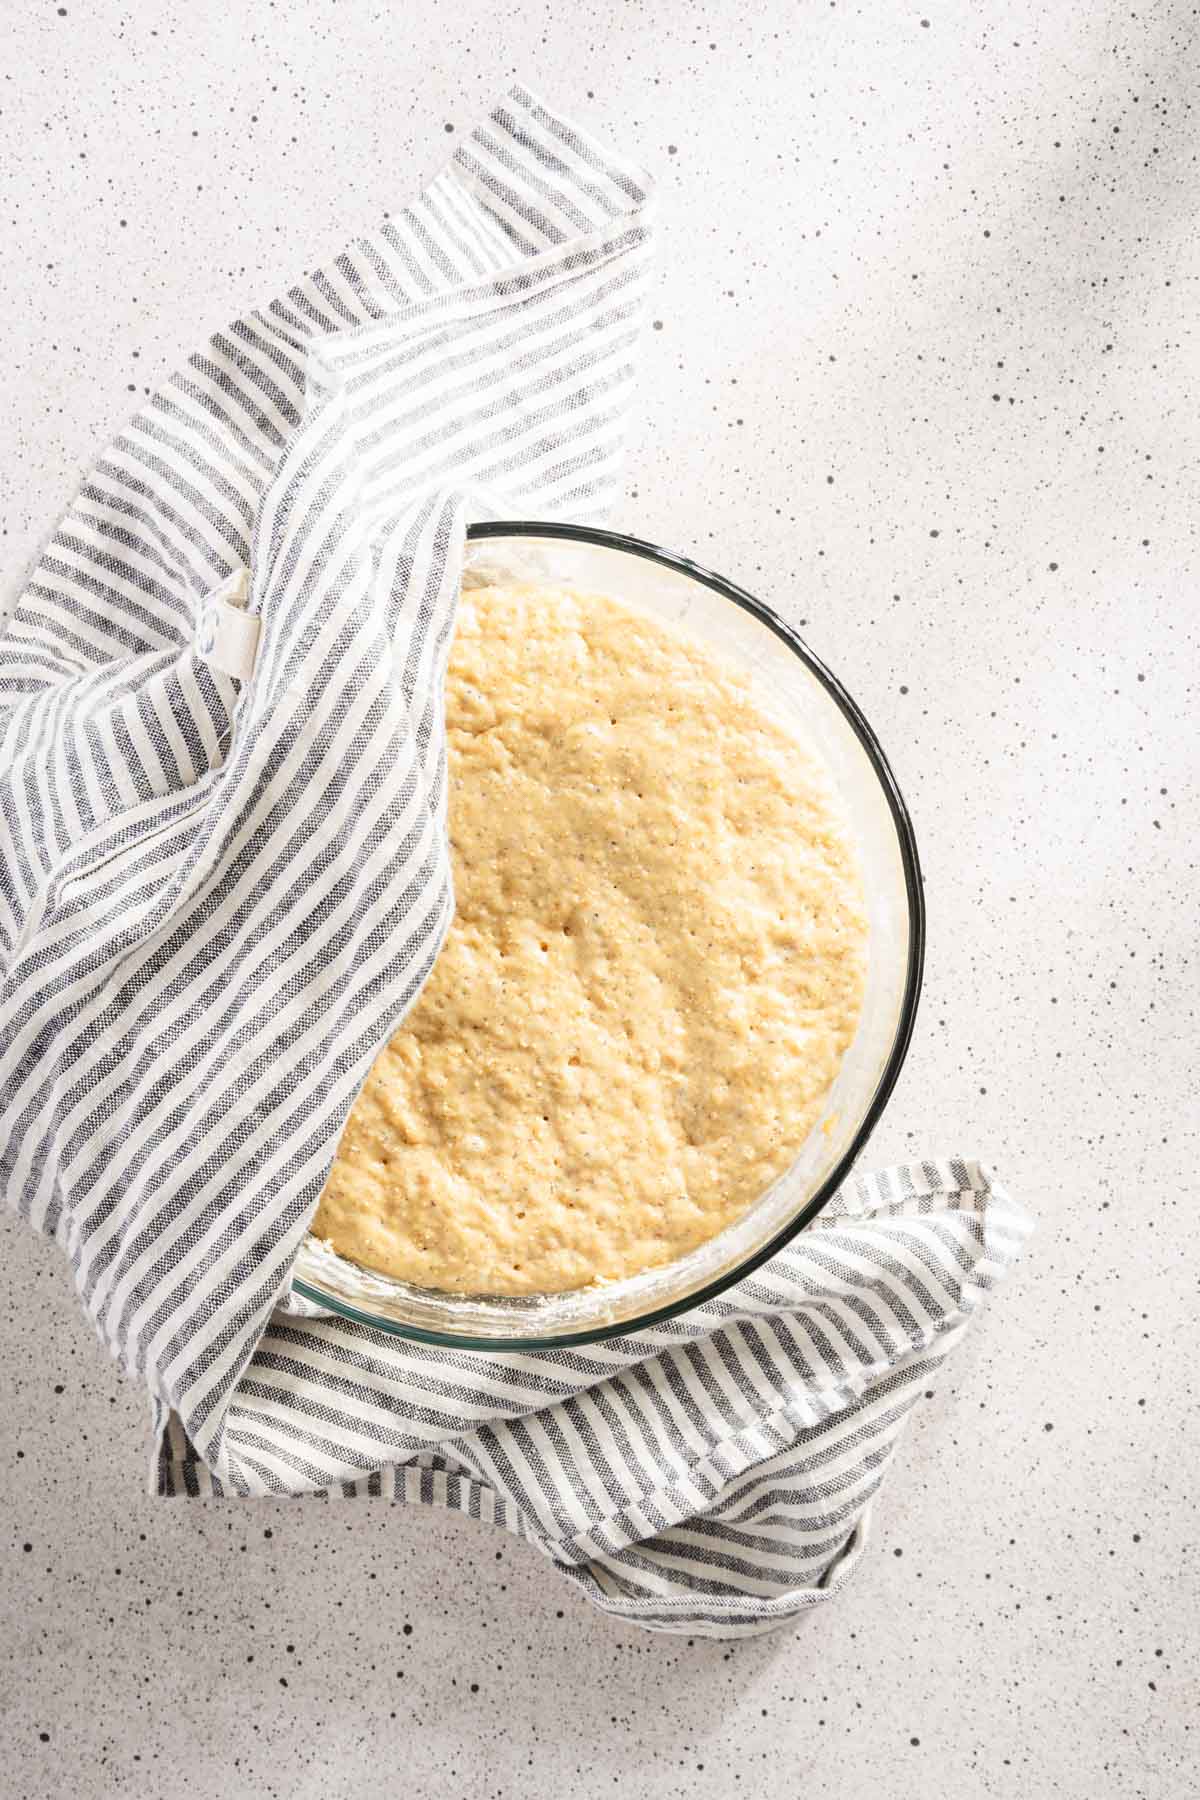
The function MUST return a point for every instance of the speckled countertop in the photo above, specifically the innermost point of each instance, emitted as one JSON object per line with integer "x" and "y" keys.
{"x": 924, "y": 375}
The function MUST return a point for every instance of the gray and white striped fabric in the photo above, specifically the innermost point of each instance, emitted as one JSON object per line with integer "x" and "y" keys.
{"x": 224, "y": 877}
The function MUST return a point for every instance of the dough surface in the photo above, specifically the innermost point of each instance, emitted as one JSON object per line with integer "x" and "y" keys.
{"x": 655, "y": 967}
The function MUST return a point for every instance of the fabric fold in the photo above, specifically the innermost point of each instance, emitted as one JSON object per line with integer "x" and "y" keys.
{"x": 712, "y": 1474}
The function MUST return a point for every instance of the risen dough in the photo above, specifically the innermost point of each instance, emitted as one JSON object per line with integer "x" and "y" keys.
{"x": 654, "y": 970}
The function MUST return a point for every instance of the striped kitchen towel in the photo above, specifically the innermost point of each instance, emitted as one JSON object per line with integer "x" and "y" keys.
{"x": 224, "y": 878}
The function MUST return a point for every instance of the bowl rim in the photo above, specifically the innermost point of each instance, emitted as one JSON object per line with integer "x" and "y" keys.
{"x": 906, "y": 1019}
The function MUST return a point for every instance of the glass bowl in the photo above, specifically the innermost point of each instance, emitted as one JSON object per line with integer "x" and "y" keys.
{"x": 795, "y": 688}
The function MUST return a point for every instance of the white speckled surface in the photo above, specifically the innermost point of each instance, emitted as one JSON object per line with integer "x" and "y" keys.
{"x": 924, "y": 376}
